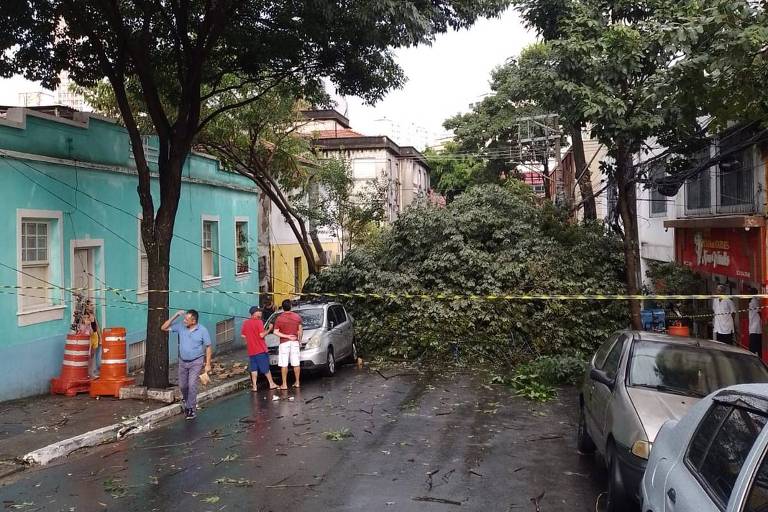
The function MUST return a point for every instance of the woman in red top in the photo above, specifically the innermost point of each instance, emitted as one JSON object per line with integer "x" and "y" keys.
{"x": 253, "y": 332}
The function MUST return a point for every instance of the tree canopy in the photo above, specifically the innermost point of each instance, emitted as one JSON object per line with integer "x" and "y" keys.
{"x": 490, "y": 240}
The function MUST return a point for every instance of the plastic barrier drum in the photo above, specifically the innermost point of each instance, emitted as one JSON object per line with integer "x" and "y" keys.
{"x": 74, "y": 368}
{"x": 678, "y": 329}
{"x": 114, "y": 364}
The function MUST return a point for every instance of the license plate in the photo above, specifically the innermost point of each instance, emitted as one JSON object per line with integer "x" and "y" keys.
{"x": 273, "y": 360}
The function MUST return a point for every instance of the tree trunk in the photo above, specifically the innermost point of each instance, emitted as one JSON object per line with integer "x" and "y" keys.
{"x": 546, "y": 179}
{"x": 627, "y": 205}
{"x": 583, "y": 176}
{"x": 157, "y": 235}
{"x": 156, "y": 363}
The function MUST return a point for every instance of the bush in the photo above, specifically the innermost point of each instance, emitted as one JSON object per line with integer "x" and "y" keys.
{"x": 489, "y": 241}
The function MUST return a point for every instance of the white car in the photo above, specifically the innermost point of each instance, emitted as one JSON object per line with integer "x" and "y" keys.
{"x": 714, "y": 459}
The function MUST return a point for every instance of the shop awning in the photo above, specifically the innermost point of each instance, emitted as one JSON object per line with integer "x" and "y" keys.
{"x": 728, "y": 221}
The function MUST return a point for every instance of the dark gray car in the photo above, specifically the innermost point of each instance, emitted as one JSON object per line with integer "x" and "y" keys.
{"x": 637, "y": 381}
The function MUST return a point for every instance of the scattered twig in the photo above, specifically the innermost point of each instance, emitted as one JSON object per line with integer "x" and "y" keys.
{"x": 537, "y": 501}
{"x": 518, "y": 469}
{"x": 473, "y": 472}
{"x": 318, "y": 397}
{"x": 367, "y": 412}
{"x": 547, "y": 437}
{"x": 430, "y": 499}
{"x": 287, "y": 486}
{"x": 111, "y": 453}
{"x": 444, "y": 413}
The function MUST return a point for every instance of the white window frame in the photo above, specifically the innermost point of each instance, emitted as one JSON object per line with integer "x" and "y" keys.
{"x": 209, "y": 281}
{"x": 142, "y": 293}
{"x": 247, "y": 221}
{"x": 50, "y": 312}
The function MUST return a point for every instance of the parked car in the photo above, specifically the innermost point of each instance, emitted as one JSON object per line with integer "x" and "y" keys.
{"x": 638, "y": 380}
{"x": 329, "y": 336}
{"x": 714, "y": 458}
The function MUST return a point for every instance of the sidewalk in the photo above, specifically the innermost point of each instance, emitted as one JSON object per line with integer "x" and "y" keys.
{"x": 32, "y": 423}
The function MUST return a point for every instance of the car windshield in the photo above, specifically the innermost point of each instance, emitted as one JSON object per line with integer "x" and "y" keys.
{"x": 689, "y": 370}
{"x": 310, "y": 318}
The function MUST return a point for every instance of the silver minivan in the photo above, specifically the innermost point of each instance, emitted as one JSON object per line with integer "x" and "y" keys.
{"x": 328, "y": 339}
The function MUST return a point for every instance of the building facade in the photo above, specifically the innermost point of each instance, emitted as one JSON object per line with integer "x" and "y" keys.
{"x": 715, "y": 225}
{"x": 71, "y": 220}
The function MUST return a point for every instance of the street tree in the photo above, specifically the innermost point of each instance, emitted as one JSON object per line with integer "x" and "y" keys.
{"x": 341, "y": 205}
{"x": 612, "y": 55}
{"x": 187, "y": 57}
{"x": 453, "y": 172}
{"x": 489, "y": 132}
{"x": 534, "y": 75}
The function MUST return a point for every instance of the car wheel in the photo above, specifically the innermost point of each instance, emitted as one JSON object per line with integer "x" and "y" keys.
{"x": 583, "y": 440}
{"x": 330, "y": 364}
{"x": 616, "y": 500}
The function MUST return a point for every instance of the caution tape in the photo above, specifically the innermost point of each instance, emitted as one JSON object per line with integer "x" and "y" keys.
{"x": 407, "y": 295}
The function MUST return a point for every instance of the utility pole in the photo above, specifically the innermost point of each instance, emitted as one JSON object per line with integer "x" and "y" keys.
{"x": 531, "y": 131}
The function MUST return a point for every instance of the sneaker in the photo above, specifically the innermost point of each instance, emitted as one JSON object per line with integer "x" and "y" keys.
{"x": 191, "y": 414}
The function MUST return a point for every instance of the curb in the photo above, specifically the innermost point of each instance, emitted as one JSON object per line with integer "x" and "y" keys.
{"x": 118, "y": 431}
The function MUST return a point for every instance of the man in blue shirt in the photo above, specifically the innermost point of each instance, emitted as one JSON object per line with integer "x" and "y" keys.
{"x": 194, "y": 345}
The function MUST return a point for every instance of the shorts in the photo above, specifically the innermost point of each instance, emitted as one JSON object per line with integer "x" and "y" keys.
{"x": 288, "y": 352}
{"x": 259, "y": 363}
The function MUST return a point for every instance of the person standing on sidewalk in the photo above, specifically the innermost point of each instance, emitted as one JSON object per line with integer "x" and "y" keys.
{"x": 722, "y": 323}
{"x": 194, "y": 351}
{"x": 755, "y": 325}
{"x": 289, "y": 329}
{"x": 253, "y": 332}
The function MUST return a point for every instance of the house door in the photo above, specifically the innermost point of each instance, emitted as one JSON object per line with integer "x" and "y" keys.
{"x": 83, "y": 272}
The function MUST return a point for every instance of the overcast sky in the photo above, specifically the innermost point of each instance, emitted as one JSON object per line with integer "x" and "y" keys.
{"x": 443, "y": 79}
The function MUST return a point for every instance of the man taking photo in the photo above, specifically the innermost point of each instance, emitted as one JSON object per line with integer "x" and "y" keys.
{"x": 194, "y": 345}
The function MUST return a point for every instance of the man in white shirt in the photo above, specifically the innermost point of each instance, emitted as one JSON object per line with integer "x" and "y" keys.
{"x": 755, "y": 325}
{"x": 723, "y": 321}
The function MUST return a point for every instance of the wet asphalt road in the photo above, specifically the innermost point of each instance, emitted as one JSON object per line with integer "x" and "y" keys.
{"x": 424, "y": 442}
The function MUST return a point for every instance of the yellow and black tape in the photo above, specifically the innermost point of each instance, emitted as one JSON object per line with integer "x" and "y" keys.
{"x": 407, "y": 295}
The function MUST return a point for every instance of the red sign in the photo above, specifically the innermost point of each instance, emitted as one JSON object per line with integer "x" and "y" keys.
{"x": 728, "y": 252}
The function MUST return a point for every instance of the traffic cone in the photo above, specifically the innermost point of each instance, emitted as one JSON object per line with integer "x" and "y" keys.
{"x": 114, "y": 364}
{"x": 74, "y": 367}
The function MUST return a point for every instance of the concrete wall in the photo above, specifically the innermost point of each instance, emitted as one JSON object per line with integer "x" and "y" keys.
{"x": 47, "y": 164}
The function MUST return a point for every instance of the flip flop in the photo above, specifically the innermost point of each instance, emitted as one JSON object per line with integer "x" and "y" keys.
{"x": 254, "y": 390}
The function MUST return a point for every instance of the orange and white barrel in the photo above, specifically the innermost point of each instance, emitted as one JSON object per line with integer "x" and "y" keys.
{"x": 74, "y": 368}
{"x": 114, "y": 364}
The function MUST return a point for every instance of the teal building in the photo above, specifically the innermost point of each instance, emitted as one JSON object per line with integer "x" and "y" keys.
{"x": 69, "y": 218}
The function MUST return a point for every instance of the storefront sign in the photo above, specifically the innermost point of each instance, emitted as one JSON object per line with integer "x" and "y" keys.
{"x": 728, "y": 252}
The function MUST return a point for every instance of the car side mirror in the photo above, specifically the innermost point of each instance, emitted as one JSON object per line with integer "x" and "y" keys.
{"x": 601, "y": 377}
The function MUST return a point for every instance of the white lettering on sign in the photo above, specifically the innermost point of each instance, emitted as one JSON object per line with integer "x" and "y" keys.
{"x": 715, "y": 258}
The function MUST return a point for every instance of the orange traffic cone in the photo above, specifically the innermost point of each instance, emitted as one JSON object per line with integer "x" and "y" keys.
{"x": 74, "y": 368}
{"x": 114, "y": 364}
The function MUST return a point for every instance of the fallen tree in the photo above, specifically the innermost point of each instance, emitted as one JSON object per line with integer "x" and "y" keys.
{"x": 491, "y": 240}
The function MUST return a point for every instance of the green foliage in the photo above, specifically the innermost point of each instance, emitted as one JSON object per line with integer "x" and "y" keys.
{"x": 672, "y": 278}
{"x": 556, "y": 370}
{"x": 334, "y": 202}
{"x": 452, "y": 172}
{"x": 531, "y": 387}
{"x": 338, "y": 435}
{"x": 489, "y": 241}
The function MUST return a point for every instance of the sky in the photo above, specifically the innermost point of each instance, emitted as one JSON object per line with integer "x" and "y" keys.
{"x": 443, "y": 79}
